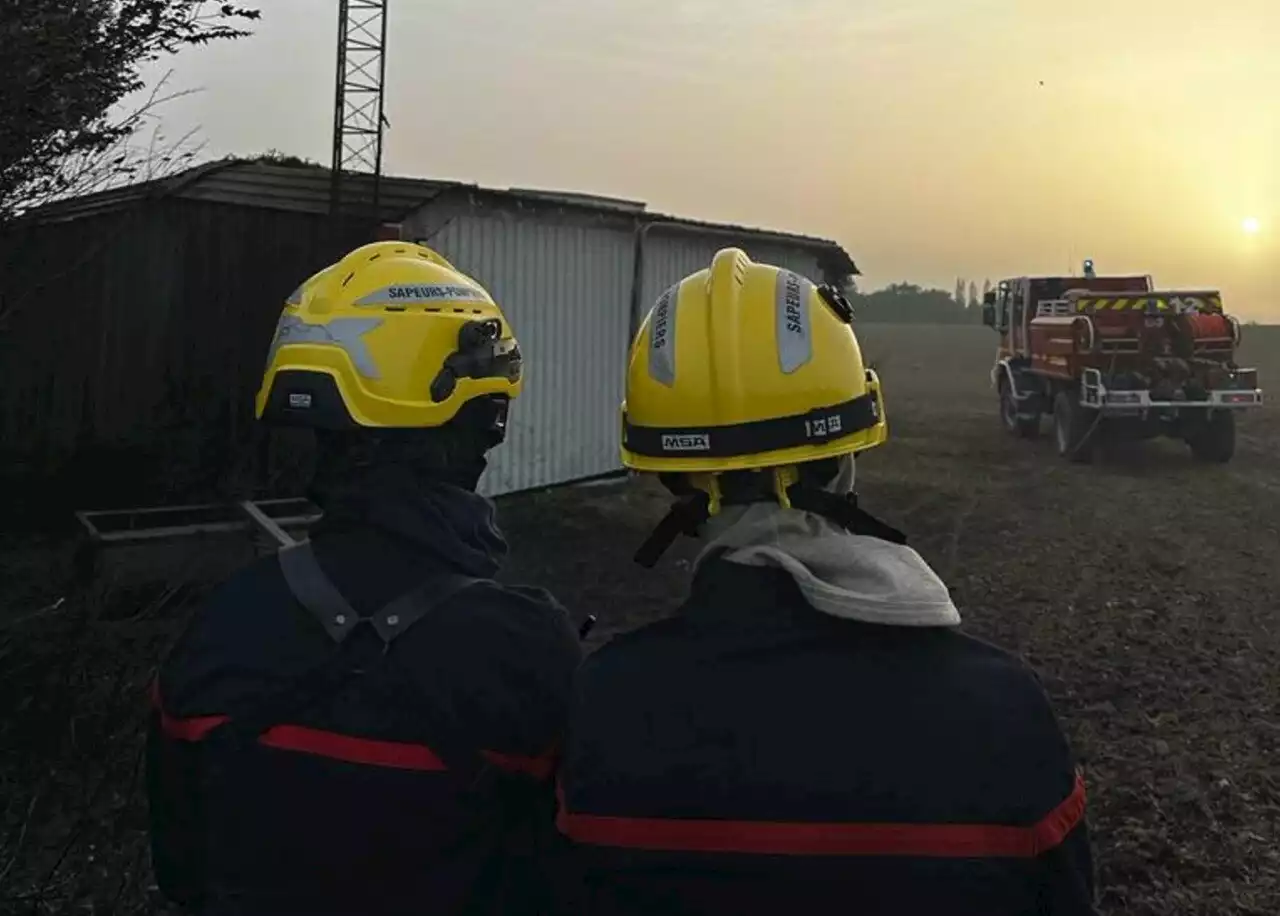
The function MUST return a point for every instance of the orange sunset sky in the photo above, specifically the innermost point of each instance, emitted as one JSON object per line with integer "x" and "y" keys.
{"x": 915, "y": 132}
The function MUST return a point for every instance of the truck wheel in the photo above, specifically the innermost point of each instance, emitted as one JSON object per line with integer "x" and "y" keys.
{"x": 1215, "y": 440}
{"x": 1023, "y": 427}
{"x": 1075, "y": 428}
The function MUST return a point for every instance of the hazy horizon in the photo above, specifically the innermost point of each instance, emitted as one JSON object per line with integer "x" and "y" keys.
{"x": 917, "y": 133}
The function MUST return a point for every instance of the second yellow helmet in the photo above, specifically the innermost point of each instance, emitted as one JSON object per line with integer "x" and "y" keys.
{"x": 745, "y": 366}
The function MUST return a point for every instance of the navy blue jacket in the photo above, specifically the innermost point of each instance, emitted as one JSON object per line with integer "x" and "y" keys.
{"x": 350, "y": 798}
{"x": 752, "y": 755}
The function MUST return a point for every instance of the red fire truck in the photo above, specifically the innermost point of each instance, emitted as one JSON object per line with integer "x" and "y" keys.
{"x": 1113, "y": 356}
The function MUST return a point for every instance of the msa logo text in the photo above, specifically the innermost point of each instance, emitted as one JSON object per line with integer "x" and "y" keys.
{"x": 696, "y": 442}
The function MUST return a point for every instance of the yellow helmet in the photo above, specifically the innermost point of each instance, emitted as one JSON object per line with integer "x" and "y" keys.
{"x": 746, "y": 367}
{"x": 391, "y": 336}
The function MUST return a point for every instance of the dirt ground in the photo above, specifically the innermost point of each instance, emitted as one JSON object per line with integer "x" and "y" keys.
{"x": 1144, "y": 590}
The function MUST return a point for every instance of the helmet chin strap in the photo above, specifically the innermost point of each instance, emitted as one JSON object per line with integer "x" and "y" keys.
{"x": 686, "y": 516}
{"x": 690, "y": 512}
{"x": 845, "y": 512}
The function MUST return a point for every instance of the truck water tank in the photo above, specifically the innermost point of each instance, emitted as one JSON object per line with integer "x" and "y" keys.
{"x": 1214, "y": 327}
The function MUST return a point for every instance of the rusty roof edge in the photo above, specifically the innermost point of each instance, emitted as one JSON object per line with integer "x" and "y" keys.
{"x": 548, "y": 200}
{"x": 810, "y": 242}
{"x": 176, "y": 184}
{"x": 186, "y": 182}
{"x": 399, "y": 196}
{"x": 113, "y": 199}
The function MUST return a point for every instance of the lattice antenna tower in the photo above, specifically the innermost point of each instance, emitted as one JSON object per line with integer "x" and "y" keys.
{"x": 358, "y": 116}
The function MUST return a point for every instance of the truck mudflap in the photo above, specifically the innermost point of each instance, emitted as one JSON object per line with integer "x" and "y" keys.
{"x": 1027, "y": 401}
{"x": 1096, "y": 396}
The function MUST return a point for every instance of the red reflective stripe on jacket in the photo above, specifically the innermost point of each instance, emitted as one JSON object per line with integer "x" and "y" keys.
{"x": 829, "y": 839}
{"x": 193, "y": 729}
{"x": 369, "y": 751}
{"x": 540, "y": 768}
{"x": 1054, "y": 827}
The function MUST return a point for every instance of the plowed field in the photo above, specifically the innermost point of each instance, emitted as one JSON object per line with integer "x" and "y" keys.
{"x": 1144, "y": 588}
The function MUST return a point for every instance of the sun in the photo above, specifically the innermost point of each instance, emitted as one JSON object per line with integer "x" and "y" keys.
{"x": 1250, "y": 225}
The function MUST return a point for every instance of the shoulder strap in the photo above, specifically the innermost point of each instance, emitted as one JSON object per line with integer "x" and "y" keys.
{"x": 316, "y": 593}
{"x": 402, "y": 613}
{"x": 321, "y": 600}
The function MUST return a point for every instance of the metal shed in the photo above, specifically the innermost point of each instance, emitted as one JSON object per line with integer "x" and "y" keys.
{"x": 165, "y": 293}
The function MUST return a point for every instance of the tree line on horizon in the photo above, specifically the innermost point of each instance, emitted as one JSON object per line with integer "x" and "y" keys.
{"x": 909, "y": 303}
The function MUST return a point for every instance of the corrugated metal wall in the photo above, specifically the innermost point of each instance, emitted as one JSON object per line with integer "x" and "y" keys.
{"x": 120, "y": 307}
{"x": 565, "y": 284}
{"x": 84, "y": 353}
{"x": 672, "y": 255}
{"x": 144, "y": 330}
{"x": 138, "y": 339}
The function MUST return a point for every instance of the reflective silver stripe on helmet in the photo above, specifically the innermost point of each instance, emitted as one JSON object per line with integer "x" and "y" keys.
{"x": 795, "y": 343}
{"x": 345, "y": 333}
{"x": 662, "y": 338}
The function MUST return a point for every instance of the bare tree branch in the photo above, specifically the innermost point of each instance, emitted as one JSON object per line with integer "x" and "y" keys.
{"x": 123, "y": 161}
{"x": 66, "y": 67}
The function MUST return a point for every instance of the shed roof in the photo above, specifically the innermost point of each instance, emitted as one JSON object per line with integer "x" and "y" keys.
{"x": 305, "y": 189}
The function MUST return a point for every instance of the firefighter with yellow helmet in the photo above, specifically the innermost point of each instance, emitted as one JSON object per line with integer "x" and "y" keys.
{"x": 809, "y": 732}
{"x": 365, "y": 723}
